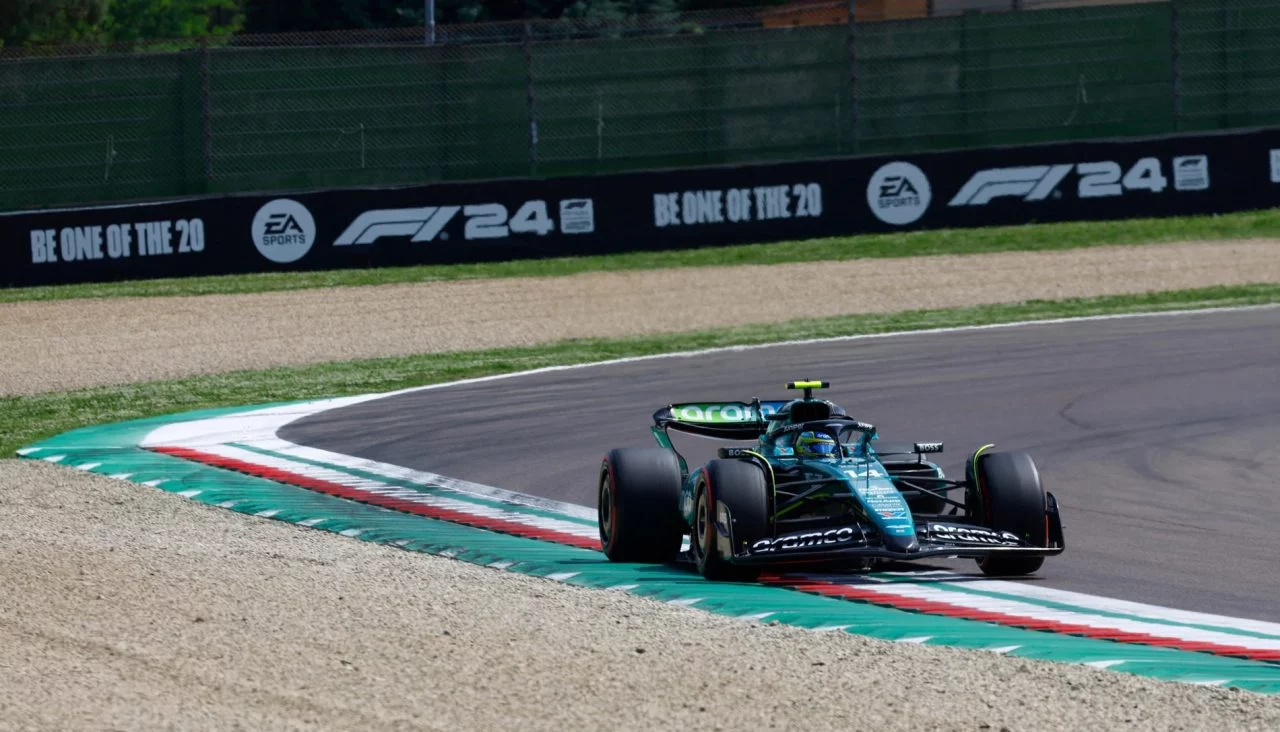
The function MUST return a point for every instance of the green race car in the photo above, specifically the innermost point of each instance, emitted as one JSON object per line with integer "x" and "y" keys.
{"x": 816, "y": 487}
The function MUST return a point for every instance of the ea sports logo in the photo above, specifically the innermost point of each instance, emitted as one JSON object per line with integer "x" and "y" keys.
{"x": 282, "y": 223}
{"x": 898, "y": 193}
{"x": 283, "y": 230}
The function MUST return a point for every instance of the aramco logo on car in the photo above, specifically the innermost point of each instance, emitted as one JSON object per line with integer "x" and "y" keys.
{"x": 720, "y": 412}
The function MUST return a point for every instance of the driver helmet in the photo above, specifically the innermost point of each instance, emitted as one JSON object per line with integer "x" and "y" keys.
{"x": 815, "y": 444}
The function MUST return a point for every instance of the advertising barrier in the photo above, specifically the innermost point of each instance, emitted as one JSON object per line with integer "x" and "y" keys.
{"x": 507, "y": 219}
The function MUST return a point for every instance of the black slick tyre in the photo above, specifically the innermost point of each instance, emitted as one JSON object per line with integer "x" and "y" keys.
{"x": 638, "y": 505}
{"x": 1009, "y": 497}
{"x": 742, "y": 489}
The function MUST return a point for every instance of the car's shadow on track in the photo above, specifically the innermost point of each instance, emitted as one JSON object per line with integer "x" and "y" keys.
{"x": 909, "y": 572}
{"x": 684, "y": 569}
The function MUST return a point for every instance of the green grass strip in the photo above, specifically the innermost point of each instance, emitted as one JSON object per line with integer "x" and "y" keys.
{"x": 1032, "y": 237}
{"x": 25, "y": 419}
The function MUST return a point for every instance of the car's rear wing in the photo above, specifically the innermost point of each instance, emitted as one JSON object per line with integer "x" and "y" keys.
{"x": 721, "y": 420}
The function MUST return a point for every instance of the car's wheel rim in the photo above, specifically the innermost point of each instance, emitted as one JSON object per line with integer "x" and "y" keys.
{"x": 700, "y": 526}
{"x": 606, "y": 510}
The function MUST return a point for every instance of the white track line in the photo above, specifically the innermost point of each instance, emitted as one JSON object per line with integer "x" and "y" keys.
{"x": 424, "y": 478}
{"x": 1123, "y": 607}
{"x": 1021, "y": 609}
{"x": 376, "y": 488}
{"x": 262, "y": 424}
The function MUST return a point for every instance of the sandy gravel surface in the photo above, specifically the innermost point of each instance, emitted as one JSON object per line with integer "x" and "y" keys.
{"x": 62, "y": 345}
{"x": 128, "y": 608}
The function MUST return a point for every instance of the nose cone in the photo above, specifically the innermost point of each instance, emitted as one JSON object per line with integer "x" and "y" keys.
{"x": 884, "y": 505}
{"x": 901, "y": 542}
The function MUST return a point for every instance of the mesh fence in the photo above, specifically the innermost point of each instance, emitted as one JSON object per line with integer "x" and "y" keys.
{"x": 261, "y": 113}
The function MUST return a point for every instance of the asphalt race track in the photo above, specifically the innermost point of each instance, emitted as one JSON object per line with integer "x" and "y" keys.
{"x": 1160, "y": 436}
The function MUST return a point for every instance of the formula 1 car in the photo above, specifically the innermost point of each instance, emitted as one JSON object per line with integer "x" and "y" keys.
{"x": 816, "y": 488}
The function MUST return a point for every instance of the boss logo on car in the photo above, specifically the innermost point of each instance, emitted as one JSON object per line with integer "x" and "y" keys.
{"x": 972, "y": 535}
{"x": 1100, "y": 179}
{"x": 807, "y": 540}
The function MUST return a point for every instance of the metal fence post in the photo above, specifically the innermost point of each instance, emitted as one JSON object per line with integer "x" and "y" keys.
{"x": 1224, "y": 60}
{"x": 1175, "y": 41}
{"x": 962, "y": 80}
{"x": 530, "y": 98}
{"x": 851, "y": 47}
{"x": 206, "y": 117}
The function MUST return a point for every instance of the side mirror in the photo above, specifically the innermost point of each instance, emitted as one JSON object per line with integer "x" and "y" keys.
{"x": 923, "y": 448}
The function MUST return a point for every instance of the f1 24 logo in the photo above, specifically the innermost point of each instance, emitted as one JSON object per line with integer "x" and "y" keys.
{"x": 1100, "y": 179}
{"x": 483, "y": 221}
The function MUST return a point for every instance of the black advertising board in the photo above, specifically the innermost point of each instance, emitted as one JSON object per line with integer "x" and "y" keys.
{"x": 506, "y": 219}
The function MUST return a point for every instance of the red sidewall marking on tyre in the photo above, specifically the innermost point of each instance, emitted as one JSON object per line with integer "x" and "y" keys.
{"x": 710, "y": 538}
{"x": 613, "y": 502}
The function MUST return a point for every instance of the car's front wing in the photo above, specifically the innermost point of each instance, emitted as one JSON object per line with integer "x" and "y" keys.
{"x": 933, "y": 539}
{"x": 926, "y": 551}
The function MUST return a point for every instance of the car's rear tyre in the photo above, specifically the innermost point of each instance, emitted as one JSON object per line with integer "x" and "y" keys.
{"x": 1009, "y": 497}
{"x": 638, "y": 505}
{"x": 742, "y": 489}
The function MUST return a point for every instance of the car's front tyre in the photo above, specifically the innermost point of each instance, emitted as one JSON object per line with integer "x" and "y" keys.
{"x": 1009, "y": 496}
{"x": 743, "y": 490}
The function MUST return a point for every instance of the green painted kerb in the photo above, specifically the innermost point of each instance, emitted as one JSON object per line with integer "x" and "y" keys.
{"x": 113, "y": 450}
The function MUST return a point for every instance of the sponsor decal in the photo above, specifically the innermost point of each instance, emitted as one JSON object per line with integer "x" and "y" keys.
{"x": 1191, "y": 173}
{"x": 899, "y": 193}
{"x": 116, "y": 241}
{"x": 577, "y": 216}
{"x": 283, "y": 230}
{"x": 1031, "y": 183}
{"x": 718, "y": 413}
{"x": 880, "y": 497}
{"x": 480, "y": 221}
{"x": 972, "y": 535}
{"x": 805, "y": 540}
{"x": 737, "y": 205}
{"x": 928, "y": 447}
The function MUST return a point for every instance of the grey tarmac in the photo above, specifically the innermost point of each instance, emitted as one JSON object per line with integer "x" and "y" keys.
{"x": 1160, "y": 435}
